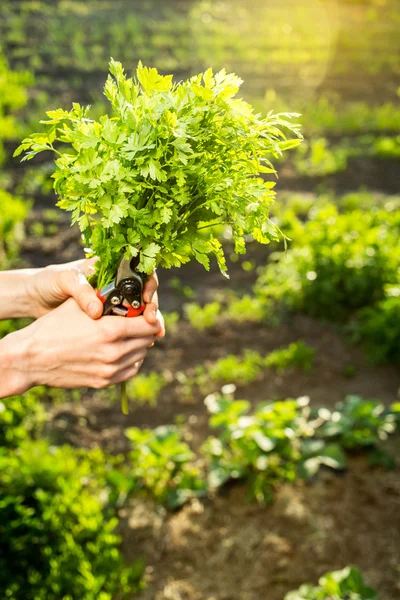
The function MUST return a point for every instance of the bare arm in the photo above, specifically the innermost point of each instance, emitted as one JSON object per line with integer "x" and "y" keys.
{"x": 34, "y": 292}
{"x": 66, "y": 348}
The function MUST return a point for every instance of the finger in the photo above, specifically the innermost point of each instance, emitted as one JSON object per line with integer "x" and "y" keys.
{"x": 128, "y": 373}
{"x": 129, "y": 346}
{"x": 150, "y": 287}
{"x": 160, "y": 321}
{"x": 131, "y": 359}
{"x": 136, "y": 327}
{"x": 87, "y": 265}
{"x": 74, "y": 284}
{"x": 150, "y": 311}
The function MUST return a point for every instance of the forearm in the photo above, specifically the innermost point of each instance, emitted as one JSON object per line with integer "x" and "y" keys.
{"x": 14, "y": 351}
{"x": 15, "y": 300}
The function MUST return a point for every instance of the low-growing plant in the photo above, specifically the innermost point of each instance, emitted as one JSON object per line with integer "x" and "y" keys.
{"x": 347, "y": 584}
{"x": 145, "y": 389}
{"x": 241, "y": 369}
{"x": 285, "y": 440}
{"x": 12, "y": 216}
{"x": 245, "y": 368}
{"x": 13, "y": 96}
{"x": 357, "y": 423}
{"x": 164, "y": 465}
{"x": 378, "y": 328}
{"x": 262, "y": 448}
{"x": 247, "y": 308}
{"x": 316, "y": 158}
{"x": 57, "y": 541}
{"x": 203, "y": 317}
{"x": 173, "y": 160}
{"x": 298, "y": 354}
{"x": 171, "y": 320}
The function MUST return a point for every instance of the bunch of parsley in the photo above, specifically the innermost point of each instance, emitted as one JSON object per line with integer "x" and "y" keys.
{"x": 172, "y": 161}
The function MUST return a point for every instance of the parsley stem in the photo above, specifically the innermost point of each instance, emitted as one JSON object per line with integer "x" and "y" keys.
{"x": 124, "y": 399}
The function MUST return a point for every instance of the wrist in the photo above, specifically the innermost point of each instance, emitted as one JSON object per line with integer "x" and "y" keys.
{"x": 15, "y": 352}
{"x": 16, "y": 294}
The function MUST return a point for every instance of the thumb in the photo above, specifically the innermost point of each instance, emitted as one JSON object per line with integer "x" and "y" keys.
{"x": 74, "y": 284}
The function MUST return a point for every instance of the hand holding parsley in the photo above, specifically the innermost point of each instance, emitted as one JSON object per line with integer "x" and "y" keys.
{"x": 172, "y": 161}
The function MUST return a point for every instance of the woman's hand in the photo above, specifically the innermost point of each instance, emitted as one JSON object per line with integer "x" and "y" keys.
{"x": 49, "y": 287}
{"x": 66, "y": 348}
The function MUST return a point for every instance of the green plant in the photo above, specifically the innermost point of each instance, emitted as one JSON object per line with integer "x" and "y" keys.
{"x": 174, "y": 159}
{"x": 246, "y": 308}
{"x": 263, "y": 448}
{"x": 13, "y": 96}
{"x": 298, "y": 354}
{"x": 57, "y": 540}
{"x": 21, "y": 418}
{"x": 284, "y": 440}
{"x": 237, "y": 369}
{"x": 378, "y": 329}
{"x": 317, "y": 158}
{"x": 13, "y": 213}
{"x": 146, "y": 388}
{"x": 164, "y": 465}
{"x": 171, "y": 320}
{"x": 203, "y": 317}
{"x": 347, "y": 584}
{"x": 357, "y": 423}
{"x": 339, "y": 263}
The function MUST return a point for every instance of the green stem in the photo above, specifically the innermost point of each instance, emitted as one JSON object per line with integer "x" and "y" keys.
{"x": 124, "y": 399}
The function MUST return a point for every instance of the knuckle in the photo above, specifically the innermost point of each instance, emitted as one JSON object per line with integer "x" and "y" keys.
{"x": 112, "y": 354}
{"x": 107, "y": 371}
{"x": 100, "y": 384}
{"x": 110, "y": 330}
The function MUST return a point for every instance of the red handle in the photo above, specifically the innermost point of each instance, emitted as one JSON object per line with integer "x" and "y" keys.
{"x": 132, "y": 312}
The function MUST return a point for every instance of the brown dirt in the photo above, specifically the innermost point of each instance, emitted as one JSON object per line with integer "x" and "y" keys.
{"x": 96, "y": 421}
{"x": 229, "y": 549}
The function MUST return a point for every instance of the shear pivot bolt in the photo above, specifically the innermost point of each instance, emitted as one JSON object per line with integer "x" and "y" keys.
{"x": 115, "y": 300}
{"x": 135, "y": 304}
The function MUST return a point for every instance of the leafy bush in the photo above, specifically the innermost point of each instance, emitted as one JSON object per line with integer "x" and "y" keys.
{"x": 164, "y": 465}
{"x": 378, "y": 329}
{"x": 12, "y": 215}
{"x": 297, "y": 354}
{"x": 263, "y": 448}
{"x": 347, "y": 584}
{"x": 21, "y": 418}
{"x": 339, "y": 263}
{"x": 357, "y": 423}
{"x": 281, "y": 441}
{"x": 56, "y": 541}
{"x": 146, "y": 388}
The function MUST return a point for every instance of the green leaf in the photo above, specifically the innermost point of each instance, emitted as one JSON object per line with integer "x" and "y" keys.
{"x": 150, "y": 79}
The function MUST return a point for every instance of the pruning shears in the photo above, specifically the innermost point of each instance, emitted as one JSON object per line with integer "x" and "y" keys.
{"x": 124, "y": 295}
